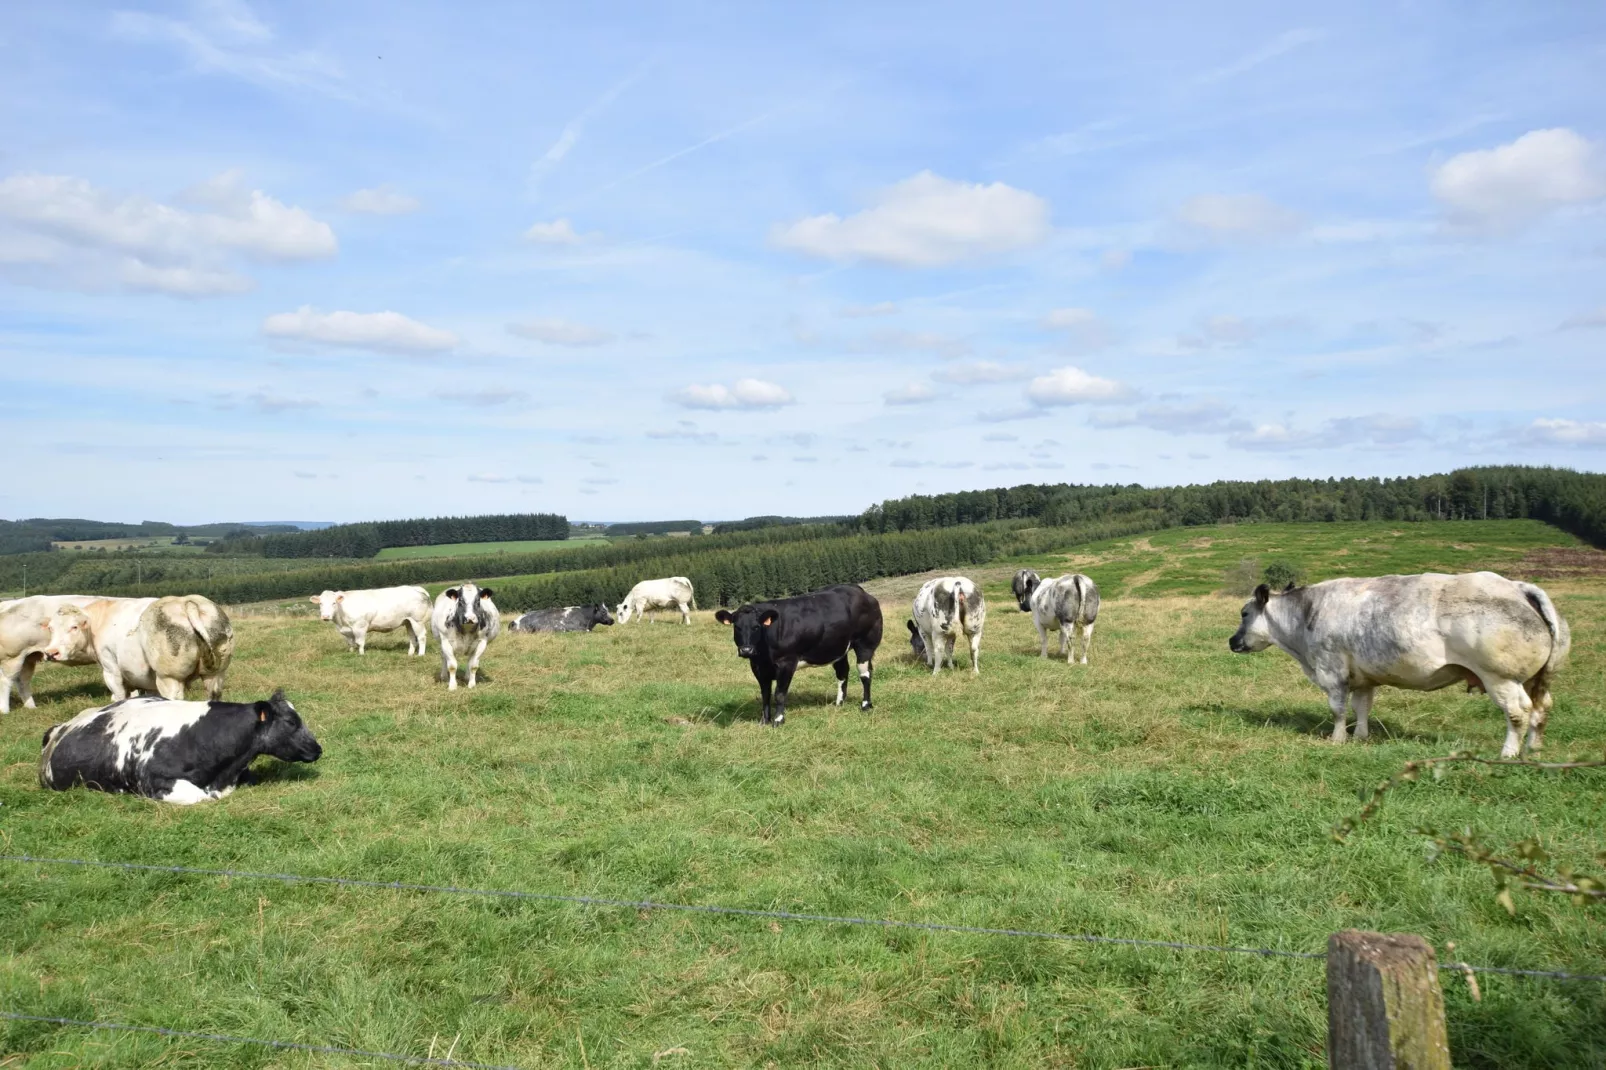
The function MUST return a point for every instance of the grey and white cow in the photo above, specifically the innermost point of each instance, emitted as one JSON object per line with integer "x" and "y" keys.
{"x": 1023, "y": 584}
{"x": 1071, "y": 604}
{"x": 464, "y": 621}
{"x": 944, "y": 609}
{"x": 566, "y": 619}
{"x": 1420, "y": 632}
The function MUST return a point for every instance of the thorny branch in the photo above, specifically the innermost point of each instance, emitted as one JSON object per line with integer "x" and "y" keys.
{"x": 1524, "y": 870}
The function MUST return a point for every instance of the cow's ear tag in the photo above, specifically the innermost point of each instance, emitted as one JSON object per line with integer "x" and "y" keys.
{"x": 262, "y": 715}
{"x": 768, "y": 622}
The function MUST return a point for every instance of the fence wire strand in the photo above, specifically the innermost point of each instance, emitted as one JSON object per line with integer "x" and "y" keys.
{"x": 282, "y": 1045}
{"x": 747, "y": 912}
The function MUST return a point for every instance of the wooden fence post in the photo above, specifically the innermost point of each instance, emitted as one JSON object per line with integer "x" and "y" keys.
{"x": 1385, "y": 1010}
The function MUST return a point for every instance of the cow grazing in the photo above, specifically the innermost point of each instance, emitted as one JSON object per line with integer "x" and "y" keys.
{"x": 1024, "y": 583}
{"x": 1071, "y": 604}
{"x": 34, "y": 630}
{"x": 812, "y": 629}
{"x": 672, "y": 593}
{"x": 177, "y": 752}
{"x": 944, "y": 609}
{"x": 465, "y": 621}
{"x": 567, "y": 619}
{"x": 1421, "y": 632}
{"x": 159, "y": 644}
{"x": 384, "y": 609}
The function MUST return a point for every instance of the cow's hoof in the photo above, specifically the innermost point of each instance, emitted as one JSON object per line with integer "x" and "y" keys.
{"x": 866, "y": 706}
{"x": 779, "y": 719}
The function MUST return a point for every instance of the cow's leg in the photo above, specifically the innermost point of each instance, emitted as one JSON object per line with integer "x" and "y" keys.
{"x": 1042, "y": 639}
{"x": 948, "y": 642}
{"x": 1067, "y": 641}
{"x": 934, "y": 650}
{"x": 359, "y": 638}
{"x": 975, "y": 653}
{"x": 112, "y": 674}
{"x": 170, "y": 688}
{"x": 1513, "y": 700}
{"x": 214, "y": 687}
{"x": 5, "y": 692}
{"x": 685, "y": 613}
{"x": 178, "y": 792}
{"x": 474, "y": 662}
{"x": 1087, "y": 641}
{"x": 1338, "y": 702}
{"x": 841, "y": 667}
{"x": 783, "y": 684}
{"x": 421, "y": 634}
{"x": 1360, "y": 700}
{"x": 449, "y": 666}
{"x": 865, "y": 655}
{"x": 765, "y": 684}
{"x": 1539, "y": 713}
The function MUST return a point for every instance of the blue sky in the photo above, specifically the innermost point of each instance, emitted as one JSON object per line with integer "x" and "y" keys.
{"x": 642, "y": 261}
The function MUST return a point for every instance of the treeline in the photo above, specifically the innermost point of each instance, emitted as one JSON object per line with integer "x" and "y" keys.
{"x": 753, "y": 523}
{"x": 734, "y": 575}
{"x": 295, "y": 582}
{"x": 367, "y": 539}
{"x": 1572, "y": 501}
{"x": 37, "y": 534}
{"x": 657, "y": 527}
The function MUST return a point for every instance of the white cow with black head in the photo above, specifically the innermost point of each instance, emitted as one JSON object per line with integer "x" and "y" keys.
{"x": 464, "y": 621}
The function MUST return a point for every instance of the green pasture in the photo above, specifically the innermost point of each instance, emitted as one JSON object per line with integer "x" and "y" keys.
{"x": 467, "y": 549}
{"x": 1169, "y": 790}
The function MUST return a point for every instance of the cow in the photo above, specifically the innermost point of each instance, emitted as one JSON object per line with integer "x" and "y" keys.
{"x": 172, "y": 751}
{"x": 567, "y": 619}
{"x": 1023, "y": 584}
{"x": 384, "y": 609}
{"x": 818, "y": 628}
{"x": 944, "y": 609}
{"x": 672, "y": 593}
{"x": 159, "y": 644}
{"x": 1421, "y": 633}
{"x": 464, "y": 621}
{"x": 1071, "y": 604}
{"x": 34, "y": 630}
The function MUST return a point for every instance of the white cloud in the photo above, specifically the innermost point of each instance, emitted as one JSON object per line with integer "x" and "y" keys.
{"x": 998, "y": 436}
{"x": 1205, "y": 416}
{"x": 556, "y": 232}
{"x": 910, "y": 394}
{"x": 880, "y": 308}
{"x": 1073, "y": 386}
{"x": 492, "y": 396}
{"x": 495, "y": 477}
{"x": 924, "y": 221}
{"x": 687, "y": 430}
{"x": 1509, "y": 184}
{"x": 745, "y": 394}
{"x": 1084, "y": 328}
{"x": 380, "y": 200}
{"x": 90, "y": 238}
{"x": 1585, "y": 320}
{"x": 560, "y": 332}
{"x": 978, "y": 372}
{"x": 1227, "y": 217}
{"x": 1582, "y": 434}
{"x": 389, "y": 332}
{"x": 1378, "y": 430}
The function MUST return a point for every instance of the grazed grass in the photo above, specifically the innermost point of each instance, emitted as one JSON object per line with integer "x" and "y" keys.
{"x": 1168, "y": 790}
{"x": 468, "y": 549}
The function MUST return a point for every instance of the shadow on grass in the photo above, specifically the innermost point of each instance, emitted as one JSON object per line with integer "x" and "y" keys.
{"x": 1314, "y": 721}
{"x": 92, "y": 690}
{"x": 725, "y": 714}
{"x": 273, "y": 771}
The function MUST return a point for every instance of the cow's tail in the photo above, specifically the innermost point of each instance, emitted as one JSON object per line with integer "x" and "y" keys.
{"x": 1076, "y": 586}
{"x": 211, "y": 633}
{"x": 1561, "y": 641}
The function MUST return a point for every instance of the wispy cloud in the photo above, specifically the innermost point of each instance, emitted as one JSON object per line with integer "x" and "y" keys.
{"x": 1280, "y": 45}
{"x": 574, "y": 128}
{"x": 226, "y": 37}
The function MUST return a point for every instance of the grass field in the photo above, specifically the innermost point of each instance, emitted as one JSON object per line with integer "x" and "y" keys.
{"x": 1168, "y": 790}
{"x": 465, "y": 549}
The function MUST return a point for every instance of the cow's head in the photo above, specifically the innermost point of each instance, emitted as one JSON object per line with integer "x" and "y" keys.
{"x": 1254, "y": 630}
{"x": 327, "y": 602}
{"x": 750, "y": 627}
{"x": 68, "y": 637}
{"x": 622, "y": 612}
{"x": 474, "y": 607}
{"x": 598, "y": 614}
{"x": 281, "y": 732}
{"x": 1025, "y": 583}
{"x": 917, "y": 642}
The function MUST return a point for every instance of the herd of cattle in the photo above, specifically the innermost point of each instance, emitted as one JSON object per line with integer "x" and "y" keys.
{"x": 1350, "y": 636}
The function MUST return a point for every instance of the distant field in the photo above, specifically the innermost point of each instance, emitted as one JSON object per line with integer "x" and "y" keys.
{"x": 1169, "y": 790}
{"x": 146, "y": 542}
{"x": 468, "y": 549}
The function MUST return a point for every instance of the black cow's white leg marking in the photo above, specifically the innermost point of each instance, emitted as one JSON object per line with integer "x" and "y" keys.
{"x": 841, "y": 667}
{"x": 864, "y": 678}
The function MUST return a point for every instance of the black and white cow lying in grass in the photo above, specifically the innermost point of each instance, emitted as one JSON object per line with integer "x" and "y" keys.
{"x": 566, "y": 619}
{"x": 1421, "y": 633}
{"x": 173, "y": 751}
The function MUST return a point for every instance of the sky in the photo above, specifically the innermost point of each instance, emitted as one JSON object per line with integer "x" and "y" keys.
{"x": 646, "y": 261}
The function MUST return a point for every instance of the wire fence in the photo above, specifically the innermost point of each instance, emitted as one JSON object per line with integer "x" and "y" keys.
{"x": 638, "y": 905}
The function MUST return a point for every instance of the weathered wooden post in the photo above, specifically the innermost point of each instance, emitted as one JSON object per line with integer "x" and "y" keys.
{"x": 1385, "y": 1010}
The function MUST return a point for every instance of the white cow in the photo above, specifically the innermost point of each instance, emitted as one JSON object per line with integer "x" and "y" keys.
{"x": 944, "y": 609}
{"x": 34, "y": 630}
{"x": 1071, "y": 604}
{"x": 464, "y": 621}
{"x": 383, "y": 609}
{"x": 1421, "y": 633}
{"x": 672, "y": 593}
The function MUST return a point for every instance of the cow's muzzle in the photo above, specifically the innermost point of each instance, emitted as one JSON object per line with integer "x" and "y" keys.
{"x": 744, "y": 651}
{"x": 1236, "y": 645}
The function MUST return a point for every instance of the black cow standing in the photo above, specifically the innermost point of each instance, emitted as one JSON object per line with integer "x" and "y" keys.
{"x": 818, "y": 628}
